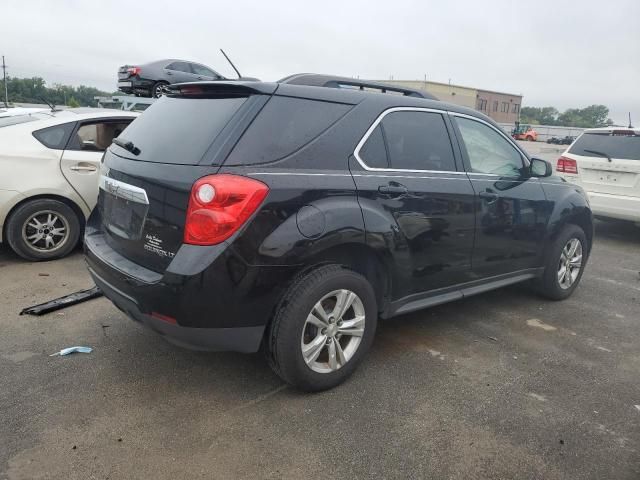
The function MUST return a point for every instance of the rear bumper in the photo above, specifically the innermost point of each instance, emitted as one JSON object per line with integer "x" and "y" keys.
{"x": 239, "y": 339}
{"x": 212, "y": 299}
{"x": 138, "y": 85}
{"x": 615, "y": 206}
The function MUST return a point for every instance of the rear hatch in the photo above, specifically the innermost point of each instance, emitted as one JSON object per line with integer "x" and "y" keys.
{"x": 146, "y": 179}
{"x": 124, "y": 73}
{"x": 608, "y": 161}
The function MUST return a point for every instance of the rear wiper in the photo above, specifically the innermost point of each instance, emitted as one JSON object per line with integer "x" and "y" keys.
{"x": 601, "y": 154}
{"x": 128, "y": 146}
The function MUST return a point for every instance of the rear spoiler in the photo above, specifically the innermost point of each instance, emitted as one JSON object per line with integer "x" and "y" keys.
{"x": 220, "y": 89}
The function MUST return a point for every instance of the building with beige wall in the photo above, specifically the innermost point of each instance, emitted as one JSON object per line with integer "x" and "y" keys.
{"x": 502, "y": 107}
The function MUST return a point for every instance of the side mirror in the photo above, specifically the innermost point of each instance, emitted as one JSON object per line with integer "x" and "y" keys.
{"x": 540, "y": 168}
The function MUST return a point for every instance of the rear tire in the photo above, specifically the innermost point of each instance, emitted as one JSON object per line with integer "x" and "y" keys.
{"x": 315, "y": 349}
{"x": 564, "y": 264}
{"x": 43, "y": 229}
{"x": 156, "y": 90}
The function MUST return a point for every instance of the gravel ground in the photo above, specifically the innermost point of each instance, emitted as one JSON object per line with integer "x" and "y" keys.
{"x": 502, "y": 385}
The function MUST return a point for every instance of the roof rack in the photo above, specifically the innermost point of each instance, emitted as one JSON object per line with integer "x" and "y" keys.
{"x": 330, "y": 81}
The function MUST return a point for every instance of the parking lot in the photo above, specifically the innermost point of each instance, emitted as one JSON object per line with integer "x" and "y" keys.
{"x": 501, "y": 385}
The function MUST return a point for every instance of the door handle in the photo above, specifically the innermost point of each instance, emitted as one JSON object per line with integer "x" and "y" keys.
{"x": 489, "y": 197}
{"x": 83, "y": 168}
{"x": 395, "y": 190}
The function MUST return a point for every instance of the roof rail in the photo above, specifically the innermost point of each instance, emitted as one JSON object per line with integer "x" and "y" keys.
{"x": 331, "y": 81}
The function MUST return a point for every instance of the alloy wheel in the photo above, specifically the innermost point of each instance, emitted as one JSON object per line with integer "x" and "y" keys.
{"x": 570, "y": 263}
{"x": 45, "y": 231}
{"x": 333, "y": 331}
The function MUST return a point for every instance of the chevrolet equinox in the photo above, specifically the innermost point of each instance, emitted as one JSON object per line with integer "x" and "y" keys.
{"x": 292, "y": 215}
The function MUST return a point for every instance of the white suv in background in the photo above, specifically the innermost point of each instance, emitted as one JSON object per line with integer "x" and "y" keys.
{"x": 606, "y": 163}
{"x": 49, "y": 171}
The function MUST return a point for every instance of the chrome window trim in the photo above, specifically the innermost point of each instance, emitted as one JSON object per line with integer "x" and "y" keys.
{"x": 360, "y": 175}
{"x": 524, "y": 156}
{"x": 123, "y": 190}
{"x": 377, "y": 121}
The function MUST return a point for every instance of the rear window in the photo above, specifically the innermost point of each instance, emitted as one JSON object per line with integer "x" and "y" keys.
{"x": 619, "y": 146}
{"x": 178, "y": 130}
{"x": 284, "y": 126}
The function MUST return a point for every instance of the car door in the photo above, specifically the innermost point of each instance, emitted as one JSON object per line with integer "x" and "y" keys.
{"x": 203, "y": 73}
{"x": 415, "y": 200}
{"x": 80, "y": 161}
{"x": 178, "y": 72}
{"x": 511, "y": 208}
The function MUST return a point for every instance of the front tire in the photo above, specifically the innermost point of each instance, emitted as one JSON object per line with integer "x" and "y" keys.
{"x": 322, "y": 329}
{"x": 43, "y": 229}
{"x": 565, "y": 263}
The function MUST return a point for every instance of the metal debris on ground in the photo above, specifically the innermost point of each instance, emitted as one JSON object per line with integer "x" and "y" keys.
{"x": 62, "y": 302}
{"x": 67, "y": 351}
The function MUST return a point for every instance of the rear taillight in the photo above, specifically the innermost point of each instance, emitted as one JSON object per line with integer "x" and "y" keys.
{"x": 219, "y": 205}
{"x": 567, "y": 165}
{"x": 134, "y": 71}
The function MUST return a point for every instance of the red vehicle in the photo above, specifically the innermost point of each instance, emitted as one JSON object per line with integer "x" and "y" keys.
{"x": 524, "y": 132}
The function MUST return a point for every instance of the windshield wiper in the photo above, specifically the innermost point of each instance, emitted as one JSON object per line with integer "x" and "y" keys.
{"x": 128, "y": 146}
{"x": 601, "y": 154}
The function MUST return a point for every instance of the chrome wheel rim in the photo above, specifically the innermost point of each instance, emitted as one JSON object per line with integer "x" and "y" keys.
{"x": 333, "y": 331}
{"x": 158, "y": 91}
{"x": 570, "y": 263}
{"x": 45, "y": 231}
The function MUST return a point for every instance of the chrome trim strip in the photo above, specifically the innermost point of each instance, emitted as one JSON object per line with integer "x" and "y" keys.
{"x": 373, "y": 126}
{"x": 123, "y": 190}
{"x": 391, "y": 175}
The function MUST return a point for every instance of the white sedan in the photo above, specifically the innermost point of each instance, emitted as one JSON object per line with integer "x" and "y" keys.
{"x": 49, "y": 171}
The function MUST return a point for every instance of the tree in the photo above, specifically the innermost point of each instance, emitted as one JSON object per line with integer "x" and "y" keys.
{"x": 588, "y": 117}
{"x": 35, "y": 90}
{"x": 73, "y": 103}
{"x": 539, "y": 116}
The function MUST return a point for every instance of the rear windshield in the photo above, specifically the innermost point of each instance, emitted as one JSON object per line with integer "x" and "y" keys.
{"x": 178, "y": 130}
{"x": 622, "y": 147}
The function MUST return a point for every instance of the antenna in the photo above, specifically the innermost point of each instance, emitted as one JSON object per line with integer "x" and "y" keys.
{"x": 51, "y": 105}
{"x": 229, "y": 60}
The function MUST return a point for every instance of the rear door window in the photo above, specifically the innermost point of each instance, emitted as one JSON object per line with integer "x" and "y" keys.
{"x": 179, "y": 67}
{"x": 418, "y": 141}
{"x": 178, "y": 130}
{"x": 200, "y": 70}
{"x": 96, "y": 136}
{"x": 621, "y": 146}
{"x": 374, "y": 151}
{"x": 284, "y": 126}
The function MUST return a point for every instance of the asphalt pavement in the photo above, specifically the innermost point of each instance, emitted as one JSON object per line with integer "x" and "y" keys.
{"x": 504, "y": 385}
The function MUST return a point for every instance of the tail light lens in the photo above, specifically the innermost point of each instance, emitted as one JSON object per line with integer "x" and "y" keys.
{"x": 567, "y": 165}
{"x": 132, "y": 71}
{"x": 219, "y": 205}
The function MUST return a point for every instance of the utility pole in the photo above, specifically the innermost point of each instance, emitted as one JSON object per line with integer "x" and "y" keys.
{"x": 4, "y": 77}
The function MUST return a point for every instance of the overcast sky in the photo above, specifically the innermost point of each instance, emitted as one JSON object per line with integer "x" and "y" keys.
{"x": 560, "y": 53}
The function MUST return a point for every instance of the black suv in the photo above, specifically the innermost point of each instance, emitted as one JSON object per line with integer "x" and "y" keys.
{"x": 292, "y": 216}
